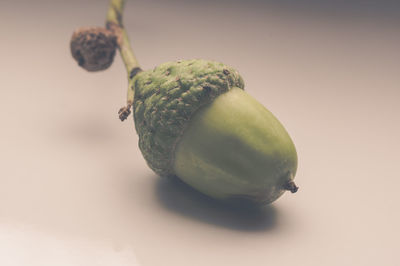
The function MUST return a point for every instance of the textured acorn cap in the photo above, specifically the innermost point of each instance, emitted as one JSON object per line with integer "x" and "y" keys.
{"x": 167, "y": 97}
{"x": 93, "y": 48}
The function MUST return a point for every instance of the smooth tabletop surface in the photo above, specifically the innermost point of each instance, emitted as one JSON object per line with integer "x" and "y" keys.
{"x": 75, "y": 190}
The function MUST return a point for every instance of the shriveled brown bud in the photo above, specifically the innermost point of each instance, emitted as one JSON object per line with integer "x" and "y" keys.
{"x": 93, "y": 48}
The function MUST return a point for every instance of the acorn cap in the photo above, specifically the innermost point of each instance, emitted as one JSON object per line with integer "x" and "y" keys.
{"x": 167, "y": 97}
{"x": 93, "y": 48}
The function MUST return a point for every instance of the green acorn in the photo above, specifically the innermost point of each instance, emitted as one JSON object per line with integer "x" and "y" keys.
{"x": 195, "y": 122}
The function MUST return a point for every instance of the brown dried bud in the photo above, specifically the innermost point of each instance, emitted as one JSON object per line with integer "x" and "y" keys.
{"x": 93, "y": 48}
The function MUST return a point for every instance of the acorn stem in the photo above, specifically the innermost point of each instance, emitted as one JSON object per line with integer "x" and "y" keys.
{"x": 291, "y": 186}
{"x": 114, "y": 24}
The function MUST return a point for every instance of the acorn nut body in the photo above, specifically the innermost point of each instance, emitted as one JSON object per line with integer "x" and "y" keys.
{"x": 195, "y": 121}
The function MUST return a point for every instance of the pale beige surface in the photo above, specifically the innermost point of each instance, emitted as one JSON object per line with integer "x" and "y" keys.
{"x": 73, "y": 183}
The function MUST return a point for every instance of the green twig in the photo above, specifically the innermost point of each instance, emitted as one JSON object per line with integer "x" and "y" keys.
{"x": 114, "y": 24}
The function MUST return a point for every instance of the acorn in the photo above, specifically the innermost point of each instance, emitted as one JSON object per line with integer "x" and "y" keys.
{"x": 195, "y": 122}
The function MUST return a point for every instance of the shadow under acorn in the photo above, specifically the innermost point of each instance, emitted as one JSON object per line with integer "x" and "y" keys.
{"x": 178, "y": 197}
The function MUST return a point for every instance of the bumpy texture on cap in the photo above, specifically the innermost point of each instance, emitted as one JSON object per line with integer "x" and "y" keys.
{"x": 167, "y": 97}
{"x": 93, "y": 48}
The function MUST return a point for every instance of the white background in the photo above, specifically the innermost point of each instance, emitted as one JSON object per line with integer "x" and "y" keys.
{"x": 75, "y": 190}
